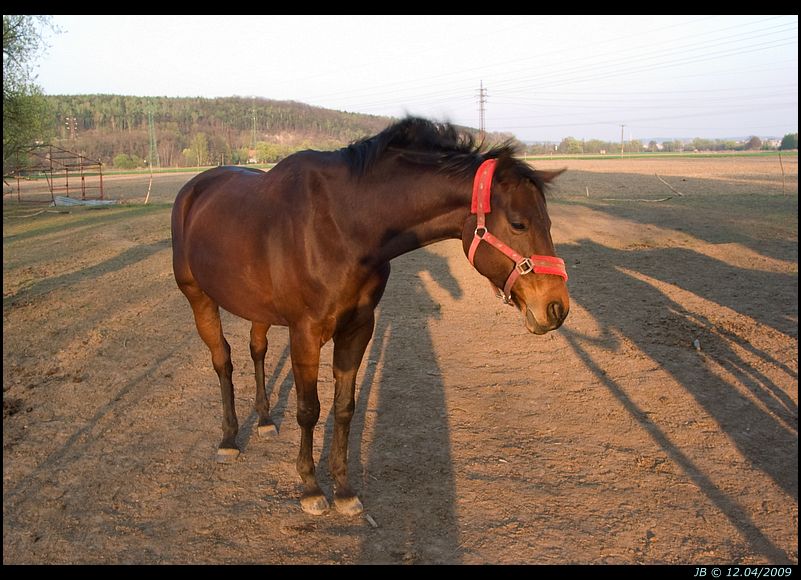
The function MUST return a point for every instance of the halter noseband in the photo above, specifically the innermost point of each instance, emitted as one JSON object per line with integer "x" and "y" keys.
{"x": 482, "y": 185}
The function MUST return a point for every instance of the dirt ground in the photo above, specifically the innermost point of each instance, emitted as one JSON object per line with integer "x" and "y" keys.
{"x": 611, "y": 440}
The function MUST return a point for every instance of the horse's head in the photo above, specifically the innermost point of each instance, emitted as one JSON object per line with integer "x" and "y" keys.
{"x": 509, "y": 241}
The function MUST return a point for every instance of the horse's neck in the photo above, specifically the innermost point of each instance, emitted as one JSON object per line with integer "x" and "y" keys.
{"x": 419, "y": 209}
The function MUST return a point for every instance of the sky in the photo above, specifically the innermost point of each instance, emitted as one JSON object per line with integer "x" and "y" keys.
{"x": 545, "y": 77}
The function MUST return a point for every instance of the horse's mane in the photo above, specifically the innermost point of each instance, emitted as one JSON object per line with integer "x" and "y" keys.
{"x": 441, "y": 145}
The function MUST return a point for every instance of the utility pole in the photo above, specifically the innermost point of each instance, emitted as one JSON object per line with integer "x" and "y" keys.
{"x": 153, "y": 153}
{"x": 72, "y": 126}
{"x": 482, "y": 98}
{"x": 621, "y": 141}
{"x": 253, "y": 138}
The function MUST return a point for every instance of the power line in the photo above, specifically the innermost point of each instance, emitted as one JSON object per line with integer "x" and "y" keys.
{"x": 442, "y": 78}
{"x": 563, "y": 76}
{"x": 729, "y": 111}
{"x": 646, "y": 53}
{"x": 581, "y": 75}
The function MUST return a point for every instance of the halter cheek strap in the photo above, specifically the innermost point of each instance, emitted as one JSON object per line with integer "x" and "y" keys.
{"x": 482, "y": 187}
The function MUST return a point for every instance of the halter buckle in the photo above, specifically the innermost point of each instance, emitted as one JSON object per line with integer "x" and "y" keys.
{"x": 483, "y": 233}
{"x": 524, "y": 266}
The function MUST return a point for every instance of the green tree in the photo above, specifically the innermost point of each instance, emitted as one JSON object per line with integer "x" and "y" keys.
{"x": 25, "y": 111}
{"x": 199, "y": 147}
{"x": 570, "y": 145}
{"x": 240, "y": 155}
{"x": 272, "y": 152}
{"x": 219, "y": 150}
{"x": 789, "y": 141}
{"x": 702, "y": 144}
{"x": 267, "y": 152}
{"x": 753, "y": 143}
{"x": 595, "y": 146}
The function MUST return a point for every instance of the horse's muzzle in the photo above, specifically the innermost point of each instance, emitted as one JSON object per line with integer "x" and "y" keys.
{"x": 556, "y": 313}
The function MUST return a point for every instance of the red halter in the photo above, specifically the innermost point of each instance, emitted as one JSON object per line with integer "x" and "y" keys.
{"x": 482, "y": 185}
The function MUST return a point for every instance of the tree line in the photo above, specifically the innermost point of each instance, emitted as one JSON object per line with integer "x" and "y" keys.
{"x": 128, "y": 131}
{"x": 571, "y": 145}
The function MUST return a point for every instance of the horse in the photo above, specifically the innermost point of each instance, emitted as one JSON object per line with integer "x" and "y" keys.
{"x": 308, "y": 245}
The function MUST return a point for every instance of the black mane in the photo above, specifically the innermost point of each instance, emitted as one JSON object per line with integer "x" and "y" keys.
{"x": 441, "y": 145}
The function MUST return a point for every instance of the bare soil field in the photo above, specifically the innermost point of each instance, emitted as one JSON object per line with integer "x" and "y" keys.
{"x": 658, "y": 425}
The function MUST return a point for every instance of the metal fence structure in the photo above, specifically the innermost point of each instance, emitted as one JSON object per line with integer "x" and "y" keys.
{"x": 65, "y": 172}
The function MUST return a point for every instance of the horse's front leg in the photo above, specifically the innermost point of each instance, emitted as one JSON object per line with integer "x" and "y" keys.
{"x": 349, "y": 346}
{"x": 304, "y": 344}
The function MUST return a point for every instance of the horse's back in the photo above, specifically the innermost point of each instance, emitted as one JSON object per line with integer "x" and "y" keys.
{"x": 236, "y": 230}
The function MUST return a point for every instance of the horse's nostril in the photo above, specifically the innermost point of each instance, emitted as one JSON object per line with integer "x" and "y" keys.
{"x": 556, "y": 312}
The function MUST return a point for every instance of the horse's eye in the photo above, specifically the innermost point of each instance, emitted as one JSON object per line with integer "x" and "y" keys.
{"x": 520, "y": 227}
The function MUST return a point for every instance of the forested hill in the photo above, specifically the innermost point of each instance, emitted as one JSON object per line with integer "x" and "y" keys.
{"x": 199, "y": 131}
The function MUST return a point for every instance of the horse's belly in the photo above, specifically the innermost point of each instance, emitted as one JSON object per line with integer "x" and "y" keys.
{"x": 245, "y": 293}
{"x": 255, "y": 312}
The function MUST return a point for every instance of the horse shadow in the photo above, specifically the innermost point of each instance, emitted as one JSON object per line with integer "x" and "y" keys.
{"x": 626, "y": 301}
{"x": 403, "y": 473}
{"x": 408, "y": 482}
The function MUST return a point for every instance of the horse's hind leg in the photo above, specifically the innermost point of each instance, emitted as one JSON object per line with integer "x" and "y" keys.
{"x": 209, "y": 327}
{"x": 258, "y": 348}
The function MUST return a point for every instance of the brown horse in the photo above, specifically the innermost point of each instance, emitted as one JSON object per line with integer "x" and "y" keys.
{"x": 308, "y": 245}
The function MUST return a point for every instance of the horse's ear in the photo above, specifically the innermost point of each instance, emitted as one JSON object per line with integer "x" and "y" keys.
{"x": 549, "y": 176}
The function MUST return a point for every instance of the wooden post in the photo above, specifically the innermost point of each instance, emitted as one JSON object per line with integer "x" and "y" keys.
{"x": 150, "y": 184}
{"x": 83, "y": 179}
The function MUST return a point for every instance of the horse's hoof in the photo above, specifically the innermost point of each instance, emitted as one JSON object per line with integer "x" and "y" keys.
{"x": 315, "y": 505}
{"x": 227, "y": 455}
{"x": 267, "y": 431}
{"x": 348, "y": 506}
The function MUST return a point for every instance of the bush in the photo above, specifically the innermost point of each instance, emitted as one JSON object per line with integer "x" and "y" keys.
{"x": 125, "y": 161}
{"x": 272, "y": 152}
